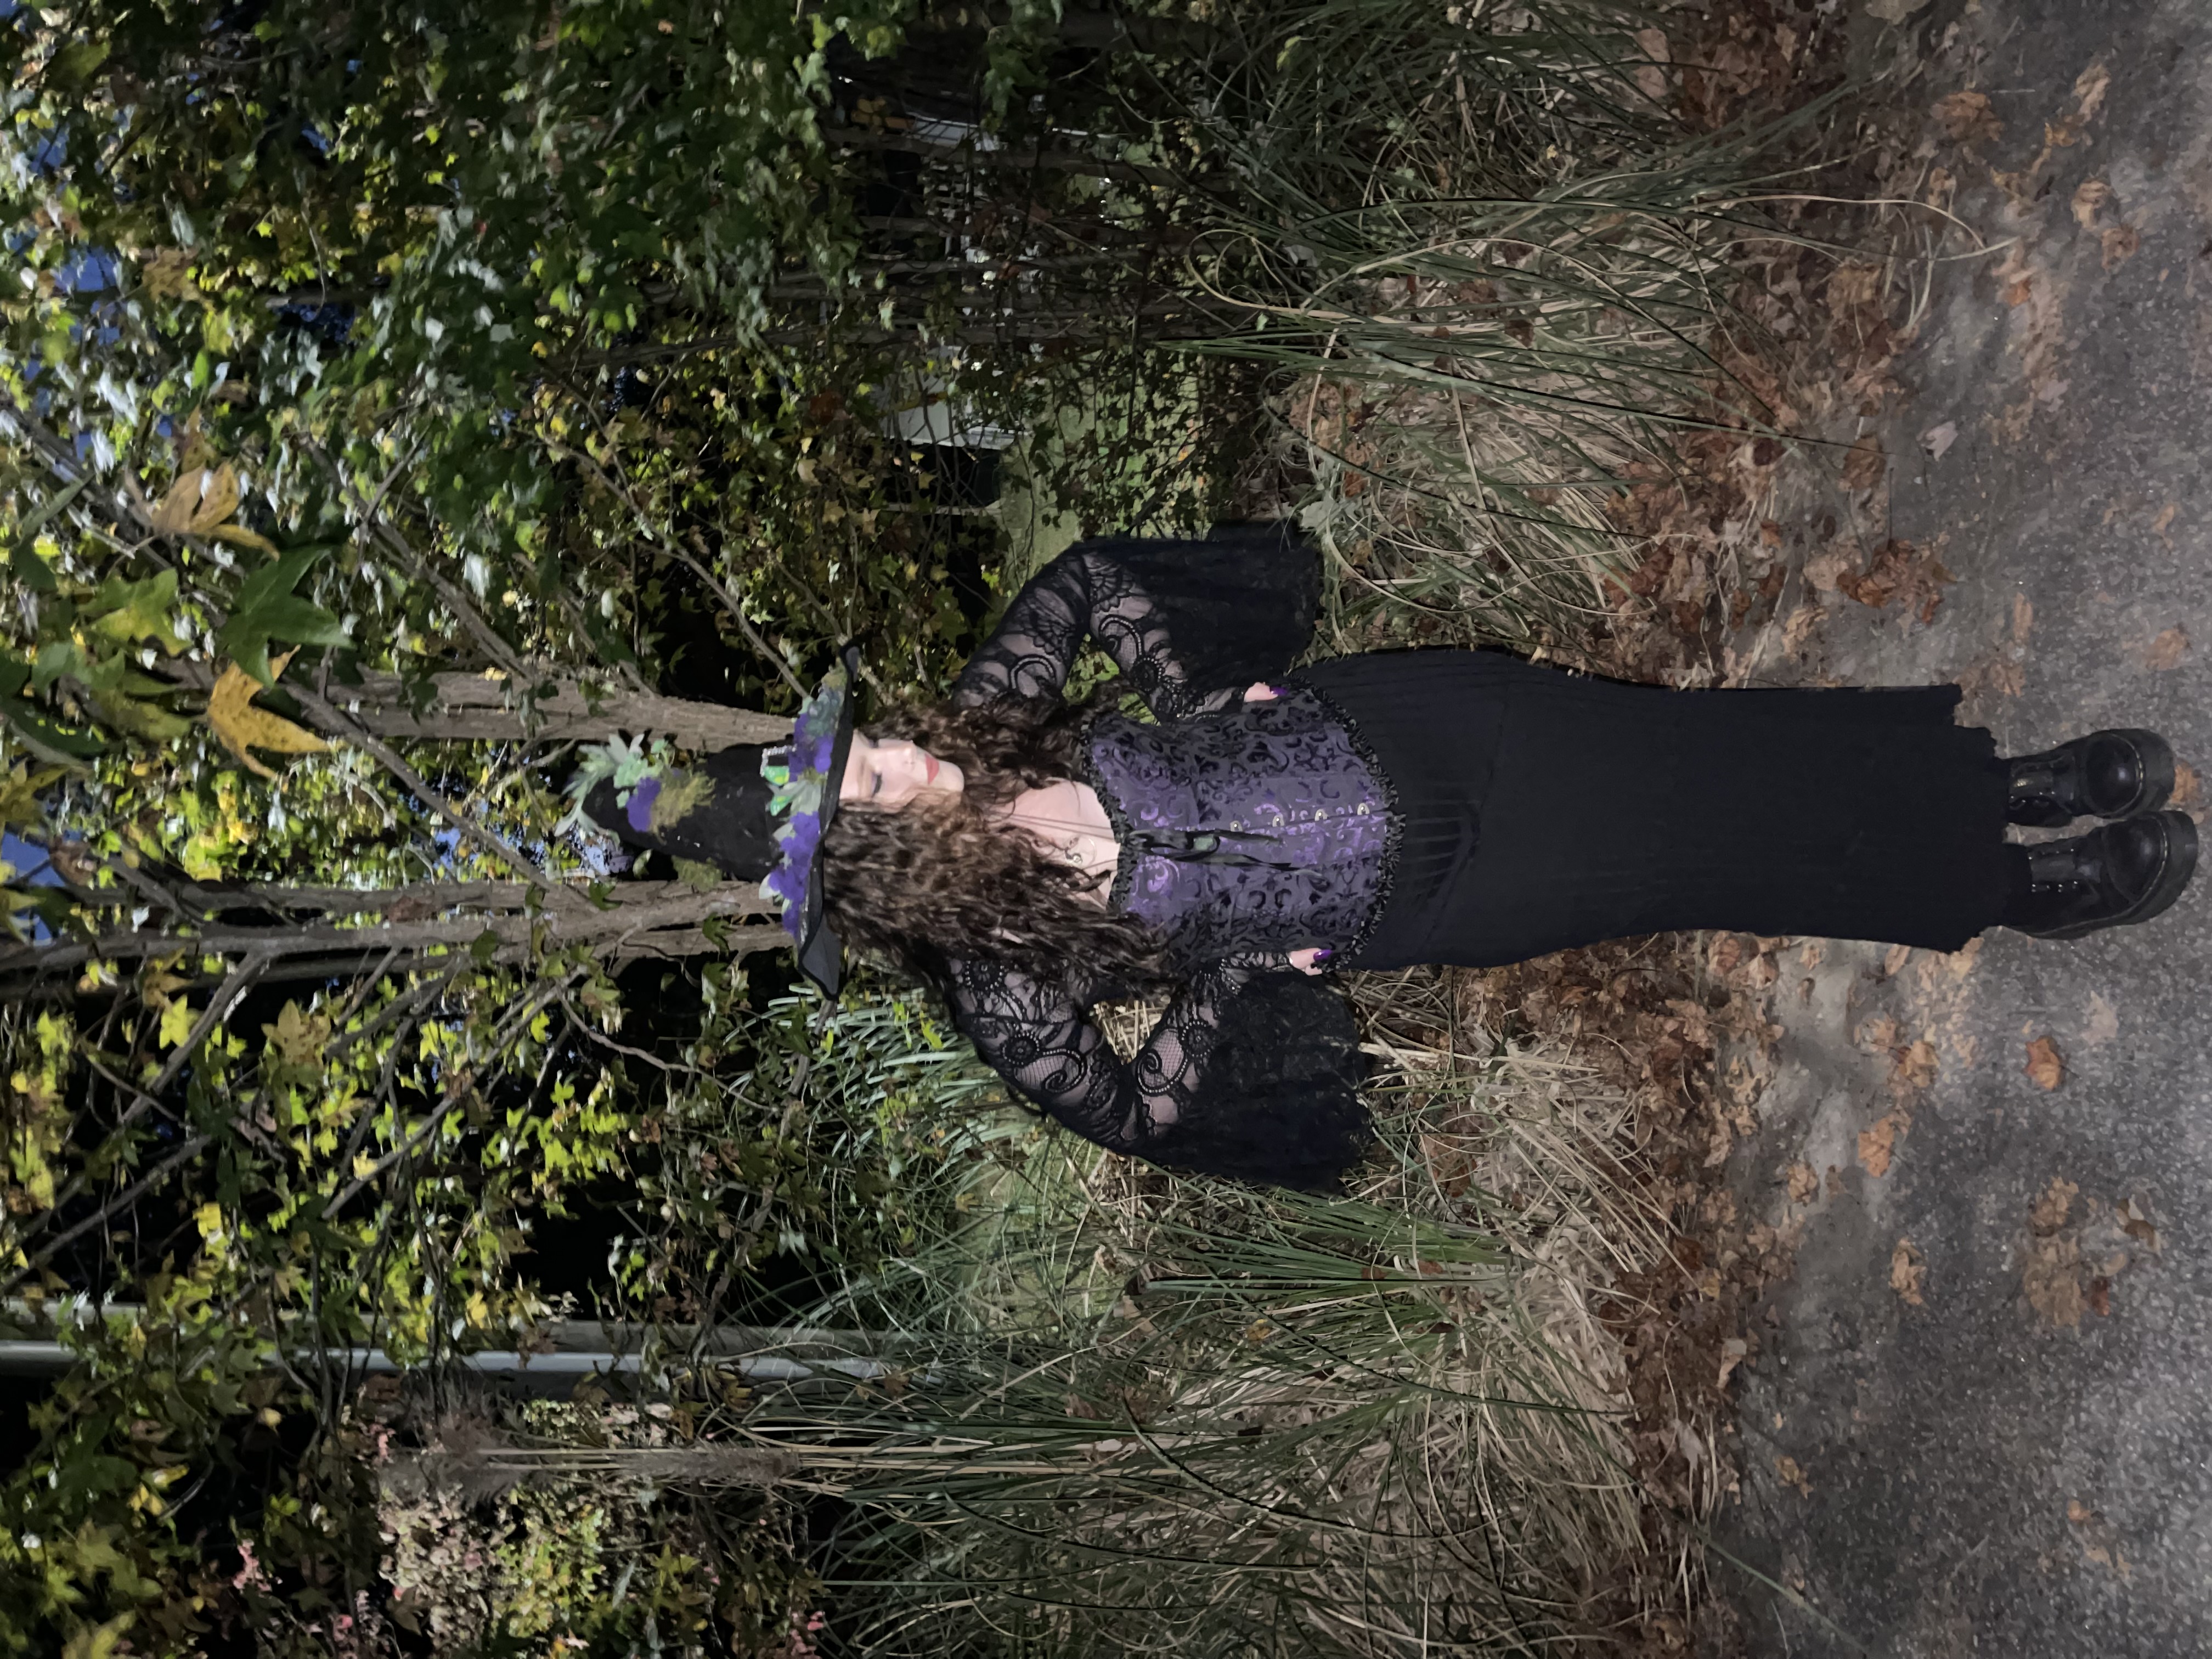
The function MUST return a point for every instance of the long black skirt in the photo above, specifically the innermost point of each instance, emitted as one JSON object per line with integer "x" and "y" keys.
{"x": 1542, "y": 810}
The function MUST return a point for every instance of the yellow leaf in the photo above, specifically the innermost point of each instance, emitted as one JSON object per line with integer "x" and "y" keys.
{"x": 160, "y": 978}
{"x": 101, "y": 1641}
{"x": 208, "y": 1218}
{"x": 167, "y": 273}
{"x": 297, "y": 1038}
{"x": 176, "y": 1024}
{"x": 239, "y": 536}
{"x": 242, "y": 727}
{"x": 19, "y": 792}
{"x": 200, "y": 500}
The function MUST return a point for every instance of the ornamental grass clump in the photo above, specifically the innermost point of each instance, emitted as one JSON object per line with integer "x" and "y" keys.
{"x": 1119, "y": 1412}
{"x": 1488, "y": 272}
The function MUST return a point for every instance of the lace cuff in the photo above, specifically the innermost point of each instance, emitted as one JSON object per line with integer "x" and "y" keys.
{"x": 1037, "y": 1037}
{"x": 1188, "y": 623}
{"x": 1249, "y": 1074}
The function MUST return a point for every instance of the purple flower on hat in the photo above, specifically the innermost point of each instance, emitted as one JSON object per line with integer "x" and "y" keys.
{"x": 799, "y": 840}
{"x": 640, "y": 809}
{"x": 800, "y": 777}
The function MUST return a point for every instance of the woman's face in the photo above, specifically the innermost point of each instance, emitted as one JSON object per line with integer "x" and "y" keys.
{"x": 889, "y": 772}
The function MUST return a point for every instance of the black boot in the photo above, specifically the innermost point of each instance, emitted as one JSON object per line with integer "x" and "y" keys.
{"x": 2116, "y": 874}
{"x": 2107, "y": 775}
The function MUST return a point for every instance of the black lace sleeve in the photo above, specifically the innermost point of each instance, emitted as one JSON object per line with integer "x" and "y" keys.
{"x": 1190, "y": 623}
{"x": 1249, "y": 1073}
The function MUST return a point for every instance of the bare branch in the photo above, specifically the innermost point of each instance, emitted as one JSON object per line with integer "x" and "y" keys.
{"x": 469, "y": 708}
{"x": 664, "y": 920}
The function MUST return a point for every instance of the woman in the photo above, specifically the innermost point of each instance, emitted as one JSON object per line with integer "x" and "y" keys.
{"x": 1030, "y": 858}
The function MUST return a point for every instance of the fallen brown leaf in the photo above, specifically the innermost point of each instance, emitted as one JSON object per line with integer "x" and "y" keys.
{"x": 2090, "y": 199}
{"x": 2185, "y": 784}
{"x": 2121, "y": 242}
{"x": 1907, "y": 1271}
{"x": 1827, "y": 567}
{"x": 1804, "y": 1183}
{"x": 1994, "y": 672}
{"x": 1852, "y": 286}
{"x": 2050, "y": 1279}
{"x": 1892, "y": 963}
{"x": 2046, "y": 1067}
{"x": 1915, "y": 1068}
{"x": 1900, "y": 570}
{"x": 2048, "y": 1213}
{"x": 1937, "y": 440}
{"x": 1966, "y": 118}
{"x": 1878, "y": 1035}
{"x": 1733, "y": 1352}
{"x": 1727, "y": 952}
{"x": 1878, "y": 1145}
{"x": 1866, "y": 465}
{"x": 2089, "y": 89}
{"x": 1723, "y": 1142}
{"x": 1650, "y": 77}
{"x": 2167, "y": 650}
{"x": 1792, "y": 1475}
{"x": 2138, "y": 1226}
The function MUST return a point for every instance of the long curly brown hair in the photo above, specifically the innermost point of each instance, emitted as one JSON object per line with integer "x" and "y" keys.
{"x": 936, "y": 880}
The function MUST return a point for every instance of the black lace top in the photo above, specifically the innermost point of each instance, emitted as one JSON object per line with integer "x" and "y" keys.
{"x": 1247, "y": 830}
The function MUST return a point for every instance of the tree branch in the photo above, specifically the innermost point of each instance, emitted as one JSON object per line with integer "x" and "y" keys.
{"x": 339, "y": 725}
{"x": 469, "y": 708}
{"x": 656, "y": 919}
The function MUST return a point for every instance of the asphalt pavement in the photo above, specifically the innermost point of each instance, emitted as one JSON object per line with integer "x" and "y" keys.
{"x": 1980, "y": 1420}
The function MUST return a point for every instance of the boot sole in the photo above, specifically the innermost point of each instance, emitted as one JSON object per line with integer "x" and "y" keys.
{"x": 2181, "y": 844}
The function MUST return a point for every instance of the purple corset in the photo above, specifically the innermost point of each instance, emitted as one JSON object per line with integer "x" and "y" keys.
{"x": 1258, "y": 829}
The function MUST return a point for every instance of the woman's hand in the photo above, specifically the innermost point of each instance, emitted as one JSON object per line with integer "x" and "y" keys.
{"x": 1260, "y": 691}
{"x": 1309, "y": 962}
